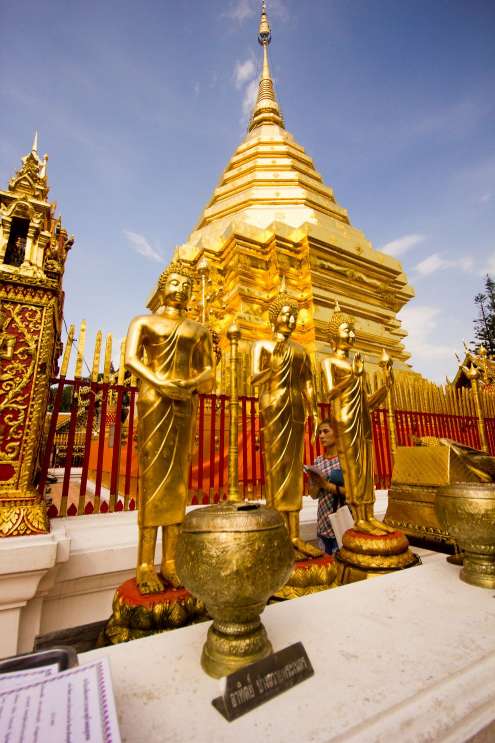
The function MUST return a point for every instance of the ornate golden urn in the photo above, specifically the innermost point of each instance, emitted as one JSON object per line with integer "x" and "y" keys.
{"x": 467, "y": 511}
{"x": 234, "y": 556}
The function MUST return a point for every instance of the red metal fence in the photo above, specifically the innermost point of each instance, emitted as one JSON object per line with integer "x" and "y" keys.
{"x": 95, "y": 446}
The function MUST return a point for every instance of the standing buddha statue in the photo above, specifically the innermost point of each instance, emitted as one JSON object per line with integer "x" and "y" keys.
{"x": 282, "y": 370}
{"x": 172, "y": 357}
{"x": 347, "y": 388}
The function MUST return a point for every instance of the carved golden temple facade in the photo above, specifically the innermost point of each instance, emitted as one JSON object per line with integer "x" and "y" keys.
{"x": 33, "y": 250}
{"x": 272, "y": 215}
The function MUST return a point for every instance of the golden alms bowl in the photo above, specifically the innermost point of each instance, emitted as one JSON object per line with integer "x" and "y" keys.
{"x": 467, "y": 512}
{"x": 234, "y": 556}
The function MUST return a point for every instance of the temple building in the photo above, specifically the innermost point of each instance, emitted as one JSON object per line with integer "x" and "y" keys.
{"x": 33, "y": 250}
{"x": 270, "y": 216}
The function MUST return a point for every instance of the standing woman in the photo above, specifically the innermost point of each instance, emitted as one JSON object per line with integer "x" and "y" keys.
{"x": 328, "y": 488}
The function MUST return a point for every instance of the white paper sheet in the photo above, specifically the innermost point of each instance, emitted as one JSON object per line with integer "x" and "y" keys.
{"x": 74, "y": 706}
{"x": 14, "y": 679}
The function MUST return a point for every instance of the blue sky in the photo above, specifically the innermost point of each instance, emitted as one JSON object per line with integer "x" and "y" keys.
{"x": 141, "y": 105}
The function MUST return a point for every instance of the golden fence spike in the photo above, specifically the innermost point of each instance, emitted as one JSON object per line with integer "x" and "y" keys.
{"x": 81, "y": 343}
{"x": 120, "y": 379}
{"x": 96, "y": 357}
{"x": 108, "y": 358}
{"x": 67, "y": 351}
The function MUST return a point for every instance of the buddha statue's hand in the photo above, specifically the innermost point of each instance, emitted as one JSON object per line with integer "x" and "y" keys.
{"x": 174, "y": 390}
{"x": 358, "y": 364}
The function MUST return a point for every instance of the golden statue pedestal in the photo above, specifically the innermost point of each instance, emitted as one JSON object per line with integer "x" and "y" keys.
{"x": 135, "y": 616}
{"x": 365, "y": 556}
{"x": 309, "y": 576}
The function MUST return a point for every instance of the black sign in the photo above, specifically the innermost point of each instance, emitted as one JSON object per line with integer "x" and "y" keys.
{"x": 252, "y": 685}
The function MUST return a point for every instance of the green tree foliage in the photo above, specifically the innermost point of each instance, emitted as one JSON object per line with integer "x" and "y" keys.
{"x": 484, "y": 325}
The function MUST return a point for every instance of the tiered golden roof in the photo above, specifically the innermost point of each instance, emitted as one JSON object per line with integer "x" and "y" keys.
{"x": 33, "y": 242}
{"x": 271, "y": 215}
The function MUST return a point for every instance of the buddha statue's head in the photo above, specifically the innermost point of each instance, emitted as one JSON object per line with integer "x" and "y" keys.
{"x": 175, "y": 285}
{"x": 283, "y": 313}
{"x": 341, "y": 329}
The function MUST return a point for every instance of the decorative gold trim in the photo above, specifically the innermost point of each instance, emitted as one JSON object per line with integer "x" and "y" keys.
{"x": 21, "y": 519}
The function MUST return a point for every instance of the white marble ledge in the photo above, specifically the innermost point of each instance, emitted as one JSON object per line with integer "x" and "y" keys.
{"x": 406, "y": 657}
{"x": 35, "y": 552}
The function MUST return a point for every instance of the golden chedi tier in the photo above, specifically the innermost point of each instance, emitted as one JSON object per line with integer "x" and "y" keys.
{"x": 272, "y": 214}
{"x": 33, "y": 250}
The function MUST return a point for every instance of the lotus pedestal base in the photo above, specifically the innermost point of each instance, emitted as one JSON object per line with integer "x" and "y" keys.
{"x": 364, "y": 556}
{"x": 135, "y": 616}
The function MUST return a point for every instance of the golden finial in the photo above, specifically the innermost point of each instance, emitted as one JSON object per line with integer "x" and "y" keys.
{"x": 43, "y": 166}
{"x": 67, "y": 351}
{"x": 121, "y": 376}
{"x": 80, "y": 350}
{"x": 96, "y": 357}
{"x": 264, "y": 33}
{"x": 108, "y": 358}
{"x": 266, "y": 109}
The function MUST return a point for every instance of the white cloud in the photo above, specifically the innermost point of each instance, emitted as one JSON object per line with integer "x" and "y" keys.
{"x": 243, "y": 72}
{"x": 435, "y": 262}
{"x": 486, "y": 198}
{"x": 197, "y": 88}
{"x": 142, "y": 246}
{"x": 489, "y": 267}
{"x": 241, "y": 10}
{"x": 402, "y": 244}
{"x": 249, "y": 98}
{"x": 421, "y": 323}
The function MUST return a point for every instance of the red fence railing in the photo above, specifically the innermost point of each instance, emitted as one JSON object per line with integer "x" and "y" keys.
{"x": 98, "y": 433}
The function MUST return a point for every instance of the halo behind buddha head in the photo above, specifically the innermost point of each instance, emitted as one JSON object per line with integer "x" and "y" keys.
{"x": 337, "y": 319}
{"x": 281, "y": 300}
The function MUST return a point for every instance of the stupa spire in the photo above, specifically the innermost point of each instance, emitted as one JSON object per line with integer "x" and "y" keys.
{"x": 266, "y": 109}
{"x": 34, "y": 148}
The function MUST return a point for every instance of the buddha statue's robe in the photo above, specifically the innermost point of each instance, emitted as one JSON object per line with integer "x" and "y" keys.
{"x": 177, "y": 349}
{"x": 283, "y": 401}
{"x": 351, "y": 417}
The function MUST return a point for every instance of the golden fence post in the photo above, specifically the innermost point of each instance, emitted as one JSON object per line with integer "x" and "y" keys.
{"x": 479, "y": 413}
{"x": 233, "y": 493}
{"x": 392, "y": 432}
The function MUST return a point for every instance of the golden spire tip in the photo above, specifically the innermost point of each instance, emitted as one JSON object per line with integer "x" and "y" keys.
{"x": 264, "y": 32}
{"x": 266, "y": 109}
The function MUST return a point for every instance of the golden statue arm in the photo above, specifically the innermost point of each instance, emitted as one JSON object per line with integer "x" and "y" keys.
{"x": 376, "y": 399}
{"x": 133, "y": 353}
{"x": 333, "y": 391}
{"x": 133, "y": 362}
{"x": 259, "y": 375}
{"x": 203, "y": 356}
{"x": 311, "y": 405}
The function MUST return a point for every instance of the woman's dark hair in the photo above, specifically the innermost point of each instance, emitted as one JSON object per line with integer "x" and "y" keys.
{"x": 327, "y": 422}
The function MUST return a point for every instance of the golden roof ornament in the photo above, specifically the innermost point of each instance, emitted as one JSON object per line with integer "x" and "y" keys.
{"x": 266, "y": 109}
{"x": 30, "y": 179}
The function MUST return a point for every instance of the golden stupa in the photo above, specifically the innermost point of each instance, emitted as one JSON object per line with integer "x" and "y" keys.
{"x": 272, "y": 215}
